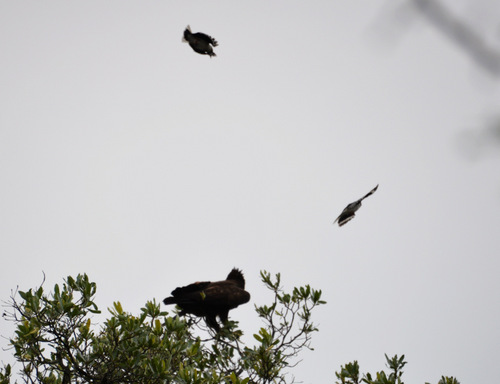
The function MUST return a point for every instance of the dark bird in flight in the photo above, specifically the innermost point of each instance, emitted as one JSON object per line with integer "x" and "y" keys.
{"x": 211, "y": 299}
{"x": 349, "y": 212}
{"x": 200, "y": 42}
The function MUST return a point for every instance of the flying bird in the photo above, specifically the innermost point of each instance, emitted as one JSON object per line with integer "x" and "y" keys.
{"x": 200, "y": 42}
{"x": 211, "y": 299}
{"x": 349, "y": 212}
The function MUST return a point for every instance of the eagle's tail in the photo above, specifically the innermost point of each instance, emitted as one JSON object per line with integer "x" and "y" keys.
{"x": 170, "y": 300}
{"x": 187, "y": 32}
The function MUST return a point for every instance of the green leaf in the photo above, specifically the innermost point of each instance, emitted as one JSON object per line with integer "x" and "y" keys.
{"x": 118, "y": 307}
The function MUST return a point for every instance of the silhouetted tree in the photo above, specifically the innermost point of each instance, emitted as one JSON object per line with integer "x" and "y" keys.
{"x": 56, "y": 342}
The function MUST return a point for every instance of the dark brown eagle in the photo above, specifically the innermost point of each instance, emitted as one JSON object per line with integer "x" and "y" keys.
{"x": 209, "y": 300}
{"x": 200, "y": 42}
{"x": 349, "y": 212}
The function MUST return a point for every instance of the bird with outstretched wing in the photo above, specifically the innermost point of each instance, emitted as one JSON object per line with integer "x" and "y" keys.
{"x": 200, "y": 42}
{"x": 349, "y": 212}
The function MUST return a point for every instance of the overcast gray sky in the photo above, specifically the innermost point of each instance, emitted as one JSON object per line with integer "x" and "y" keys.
{"x": 126, "y": 155}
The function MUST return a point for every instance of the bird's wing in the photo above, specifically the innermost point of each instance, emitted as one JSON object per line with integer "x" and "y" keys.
{"x": 191, "y": 288}
{"x": 225, "y": 295}
{"x": 348, "y": 212}
{"x": 343, "y": 219}
{"x": 189, "y": 294}
{"x": 206, "y": 38}
{"x": 370, "y": 193}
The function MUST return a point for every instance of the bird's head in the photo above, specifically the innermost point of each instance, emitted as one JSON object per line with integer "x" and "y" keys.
{"x": 237, "y": 276}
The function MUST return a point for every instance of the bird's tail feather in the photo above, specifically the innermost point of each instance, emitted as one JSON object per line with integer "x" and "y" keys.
{"x": 170, "y": 300}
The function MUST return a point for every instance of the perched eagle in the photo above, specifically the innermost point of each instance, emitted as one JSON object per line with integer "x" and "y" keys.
{"x": 209, "y": 300}
{"x": 349, "y": 212}
{"x": 200, "y": 42}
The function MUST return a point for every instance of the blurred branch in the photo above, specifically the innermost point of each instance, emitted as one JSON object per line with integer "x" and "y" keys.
{"x": 463, "y": 35}
{"x": 474, "y": 143}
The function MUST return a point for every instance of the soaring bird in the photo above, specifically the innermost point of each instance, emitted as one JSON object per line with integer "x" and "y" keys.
{"x": 349, "y": 212}
{"x": 200, "y": 42}
{"x": 211, "y": 299}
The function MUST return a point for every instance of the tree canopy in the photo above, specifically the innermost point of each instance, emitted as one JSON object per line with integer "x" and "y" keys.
{"x": 58, "y": 341}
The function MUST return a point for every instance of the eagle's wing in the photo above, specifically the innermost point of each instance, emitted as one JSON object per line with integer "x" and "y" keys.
{"x": 225, "y": 294}
{"x": 220, "y": 294}
{"x": 191, "y": 288}
{"x": 206, "y": 38}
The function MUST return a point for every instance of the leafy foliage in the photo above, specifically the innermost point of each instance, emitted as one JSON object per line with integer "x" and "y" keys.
{"x": 56, "y": 342}
{"x": 349, "y": 374}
